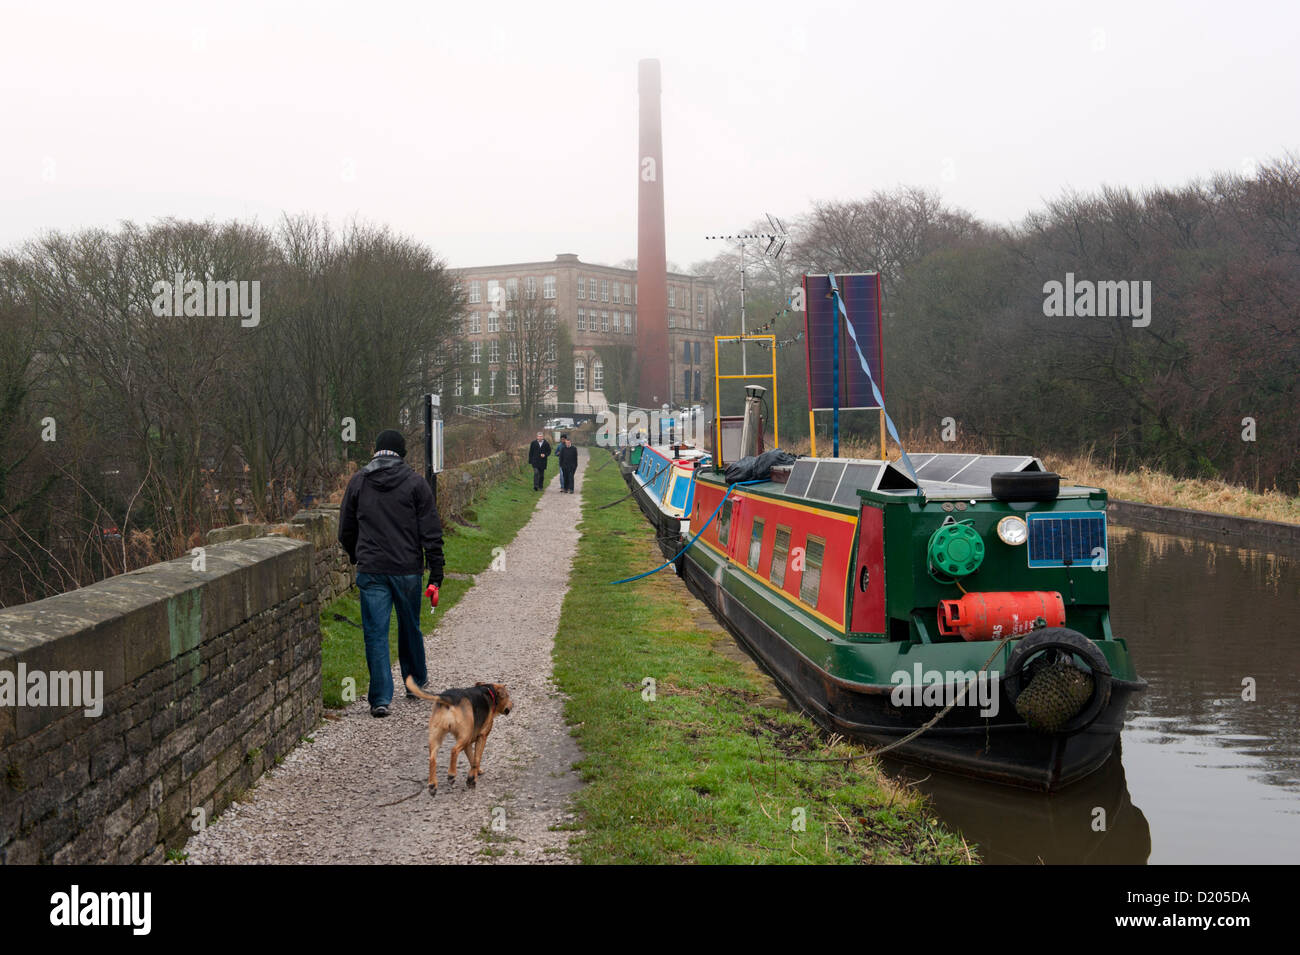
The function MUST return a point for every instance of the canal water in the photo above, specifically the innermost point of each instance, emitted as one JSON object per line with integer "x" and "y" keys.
{"x": 1204, "y": 774}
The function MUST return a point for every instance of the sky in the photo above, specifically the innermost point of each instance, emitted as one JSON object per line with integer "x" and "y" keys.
{"x": 507, "y": 132}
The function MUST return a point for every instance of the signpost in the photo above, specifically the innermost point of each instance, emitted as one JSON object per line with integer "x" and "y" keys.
{"x": 433, "y": 451}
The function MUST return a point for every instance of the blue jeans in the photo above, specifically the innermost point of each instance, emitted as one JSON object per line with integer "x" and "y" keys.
{"x": 380, "y": 595}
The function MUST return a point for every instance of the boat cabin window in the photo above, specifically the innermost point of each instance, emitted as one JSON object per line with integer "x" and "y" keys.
{"x": 723, "y": 520}
{"x": 811, "y": 584}
{"x": 756, "y": 544}
{"x": 780, "y": 550}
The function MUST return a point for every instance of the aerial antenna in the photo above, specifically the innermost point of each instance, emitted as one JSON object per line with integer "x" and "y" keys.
{"x": 778, "y": 234}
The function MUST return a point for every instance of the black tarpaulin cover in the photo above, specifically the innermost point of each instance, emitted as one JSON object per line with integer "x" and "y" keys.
{"x": 759, "y": 467}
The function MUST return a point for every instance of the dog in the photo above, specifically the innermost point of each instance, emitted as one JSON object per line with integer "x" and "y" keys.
{"x": 466, "y": 714}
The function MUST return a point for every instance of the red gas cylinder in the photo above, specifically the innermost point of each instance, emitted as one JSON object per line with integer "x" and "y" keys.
{"x": 994, "y": 615}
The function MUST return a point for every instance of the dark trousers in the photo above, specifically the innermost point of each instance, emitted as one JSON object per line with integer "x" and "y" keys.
{"x": 566, "y": 479}
{"x": 381, "y": 594}
{"x": 539, "y": 477}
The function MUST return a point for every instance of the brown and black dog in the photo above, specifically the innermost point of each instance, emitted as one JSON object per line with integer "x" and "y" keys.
{"x": 466, "y": 714}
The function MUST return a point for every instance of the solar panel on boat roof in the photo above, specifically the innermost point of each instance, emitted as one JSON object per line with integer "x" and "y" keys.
{"x": 800, "y": 475}
{"x": 953, "y": 471}
{"x": 942, "y": 467}
{"x": 980, "y": 472}
{"x": 856, "y": 476}
{"x": 838, "y": 481}
{"x": 825, "y": 480}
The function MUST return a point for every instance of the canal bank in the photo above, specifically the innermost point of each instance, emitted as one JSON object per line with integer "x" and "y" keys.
{"x": 1277, "y": 537}
{"x": 687, "y": 756}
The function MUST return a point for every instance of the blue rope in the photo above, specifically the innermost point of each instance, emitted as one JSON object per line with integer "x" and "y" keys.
{"x": 691, "y": 543}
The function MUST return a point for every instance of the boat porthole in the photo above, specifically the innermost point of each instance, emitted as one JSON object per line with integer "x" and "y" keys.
{"x": 864, "y": 579}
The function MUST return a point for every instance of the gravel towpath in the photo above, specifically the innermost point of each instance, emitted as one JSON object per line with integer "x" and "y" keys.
{"x": 323, "y": 803}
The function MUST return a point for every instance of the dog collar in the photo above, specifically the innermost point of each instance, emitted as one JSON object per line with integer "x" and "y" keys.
{"x": 491, "y": 694}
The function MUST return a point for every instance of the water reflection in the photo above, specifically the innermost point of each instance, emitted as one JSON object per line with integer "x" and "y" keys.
{"x": 1092, "y": 822}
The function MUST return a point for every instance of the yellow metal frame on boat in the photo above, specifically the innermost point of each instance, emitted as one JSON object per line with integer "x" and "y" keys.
{"x": 812, "y": 435}
{"x": 717, "y": 388}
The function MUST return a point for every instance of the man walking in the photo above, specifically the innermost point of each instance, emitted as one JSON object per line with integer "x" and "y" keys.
{"x": 538, "y": 454}
{"x": 390, "y": 530}
{"x": 568, "y": 458}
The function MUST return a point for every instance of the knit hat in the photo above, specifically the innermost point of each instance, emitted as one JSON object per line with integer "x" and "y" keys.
{"x": 391, "y": 440}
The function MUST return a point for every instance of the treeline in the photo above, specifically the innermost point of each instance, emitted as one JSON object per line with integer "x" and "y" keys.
{"x": 1203, "y": 384}
{"x": 156, "y": 381}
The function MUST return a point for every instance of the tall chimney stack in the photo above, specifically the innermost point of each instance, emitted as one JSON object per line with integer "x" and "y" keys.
{"x": 651, "y": 255}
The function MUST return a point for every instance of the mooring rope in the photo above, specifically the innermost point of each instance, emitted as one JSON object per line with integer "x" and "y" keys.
{"x": 910, "y": 736}
{"x": 634, "y": 490}
{"x": 691, "y": 543}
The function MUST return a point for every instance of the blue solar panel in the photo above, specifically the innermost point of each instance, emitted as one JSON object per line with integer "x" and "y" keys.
{"x": 1060, "y": 539}
{"x": 862, "y": 298}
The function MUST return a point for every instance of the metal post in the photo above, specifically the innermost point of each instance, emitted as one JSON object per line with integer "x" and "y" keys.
{"x": 744, "y": 365}
{"x": 835, "y": 378}
{"x": 432, "y": 414}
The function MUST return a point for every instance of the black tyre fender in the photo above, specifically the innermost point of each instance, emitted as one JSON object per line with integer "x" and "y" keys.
{"x": 1071, "y": 641}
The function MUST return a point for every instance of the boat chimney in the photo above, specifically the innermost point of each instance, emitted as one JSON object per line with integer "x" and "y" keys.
{"x": 751, "y": 435}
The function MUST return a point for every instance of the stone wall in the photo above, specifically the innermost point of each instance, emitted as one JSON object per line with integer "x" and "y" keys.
{"x": 208, "y": 675}
{"x": 209, "y": 672}
{"x": 458, "y": 486}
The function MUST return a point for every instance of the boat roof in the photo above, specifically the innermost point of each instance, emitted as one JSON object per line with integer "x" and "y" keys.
{"x": 840, "y": 481}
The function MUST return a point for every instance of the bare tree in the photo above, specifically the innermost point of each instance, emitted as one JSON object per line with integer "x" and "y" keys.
{"x": 529, "y": 346}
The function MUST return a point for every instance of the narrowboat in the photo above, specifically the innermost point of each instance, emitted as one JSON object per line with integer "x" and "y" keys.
{"x": 664, "y": 486}
{"x": 878, "y": 596}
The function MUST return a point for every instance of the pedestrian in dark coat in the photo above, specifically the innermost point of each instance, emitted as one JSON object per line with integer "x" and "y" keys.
{"x": 539, "y": 453}
{"x": 390, "y": 529}
{"x": 568, "y": 457}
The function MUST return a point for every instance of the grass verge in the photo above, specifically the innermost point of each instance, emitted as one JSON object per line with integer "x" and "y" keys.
{"x": 697, "y": 774}
{"x": 498, "y": 514}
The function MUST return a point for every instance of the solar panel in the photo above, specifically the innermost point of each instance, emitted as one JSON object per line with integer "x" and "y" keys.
{"x": 1061, "y": 539}
{"x": 856, "y": 476}
{"x": 800, "y": 475}
{"x": 837, "y": 480}
{"x": 861, "y": 293}
{"x": 980, "y": 472}
{"x": 825, "y": 480}
{"x": 969, "y": 470}
{"x": 941, "y": 467}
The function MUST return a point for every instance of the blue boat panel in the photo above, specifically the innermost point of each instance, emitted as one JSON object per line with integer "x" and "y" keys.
{"x": 681, "y": 488}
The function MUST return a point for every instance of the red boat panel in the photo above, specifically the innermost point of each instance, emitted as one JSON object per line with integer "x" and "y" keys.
{"x": 869, "y": 603}
{"x": 834, "y": 529}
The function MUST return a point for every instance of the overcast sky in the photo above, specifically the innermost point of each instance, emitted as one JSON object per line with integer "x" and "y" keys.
{"x": 504, "y": 131}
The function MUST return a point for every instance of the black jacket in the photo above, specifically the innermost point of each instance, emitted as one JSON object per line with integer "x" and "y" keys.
{"x": 388, "y": 524}
{"x": 568, "y": 457}
{"x": 539, "y": 454}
